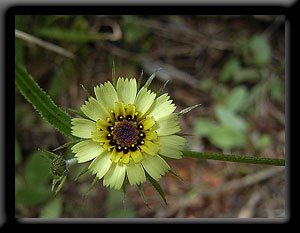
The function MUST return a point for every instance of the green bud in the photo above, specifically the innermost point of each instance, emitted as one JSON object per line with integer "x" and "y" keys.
{"x": 59, "y": 166}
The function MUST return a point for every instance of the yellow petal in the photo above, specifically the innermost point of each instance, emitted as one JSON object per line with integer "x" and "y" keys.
{"x": 82, "y": 128}
{"x": 135, "y": 173}
{"x": 161, "y": 107}
{"x": 101, "y": 164}
{"x": 126, "y": 90}
{"x": 130, "y": 110}
{"x": 143, "y": 101}
{"x": 102, "y": 124}
{"x": 94, "y": 110}
{"x": 115, "y": 176}
{"x": 136, "y": 156}
{"x": 148, "y": 122}
{"x": 115, "y": 156}
{"x": 150, "y": 135}
{"x": 167, "y": 125}
{"x": 155, "y": 166}
{"x": 150, "y": 148}
{"x": 119, "y": 109}
{"x": 107, "y": 95}
{"x": 86, "y": 150}
{"x": 99, "y": 136}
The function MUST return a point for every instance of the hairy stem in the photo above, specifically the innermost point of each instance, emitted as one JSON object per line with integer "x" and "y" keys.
{"x": 235, "y": 158}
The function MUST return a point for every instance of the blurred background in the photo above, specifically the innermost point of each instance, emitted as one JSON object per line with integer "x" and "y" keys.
{"x": 233, "y": 65}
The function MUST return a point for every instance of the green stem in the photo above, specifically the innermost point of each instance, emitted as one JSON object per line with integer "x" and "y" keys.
{"x": 235, "y": 158}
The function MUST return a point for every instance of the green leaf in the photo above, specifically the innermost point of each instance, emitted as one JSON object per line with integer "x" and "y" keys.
{"x": 114, "y": 74}
{"x": 246, "y": 75}
{"x": 37, "y": 170}
{"x": 68, "y": 144}
{"x": 204, "y": 126}
{"x": 257, "y": 51}
{"x": 53, "y": 209}
{"x": 225, "y": 137}
{"x": 178, "y": 176}
{"x": 235, "y": 101}
{"x": 18, "y": 152}
{"x": 140, "y": 187}
{"x": 150, "y": 79}
{"x": 62, "y": 181}
{"x": 86, "y": 91}
{"x": 76, "y": 112}
{"x": 230, "y": 119}
{"x": 32, "y": 195}
{"x": 140, "y": 81}
{"x": 186, "y": 110}
{"x": 95, "y": 181}
{"x": 277, "y": 90}
{"x": 42, "y": 102}
{"x": 156, "y": 185}
{"x": 85, "y": 170}
{"x": 264, "y": 141}
{"x": 229, "y": 70}
{"x": 162, "y": 88}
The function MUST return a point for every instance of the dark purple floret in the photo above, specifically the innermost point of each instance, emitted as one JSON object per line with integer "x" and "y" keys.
{"x": 126, "y": 133}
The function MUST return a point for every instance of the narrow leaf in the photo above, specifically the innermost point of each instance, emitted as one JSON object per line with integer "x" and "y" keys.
{"x": 86, "y": 91}
{"x": 67, "y": 144}
{"x": 186, "y": 110}
{"x": 142, "y": 193}
{"x": 114, "y": 74}
{"x": 95, "y": 181}
{"x": 156, "y": 185}
{"x": 61, "y": 184}
{"x": 54, "y": 182}
{"x": 76, "y": 112}
{"x": 162, "y": 88}
{"x": 184, "y": 134}
{"x": 150, "y": 79}
{"x": 42, "y": 102}
{"x": 178, "y": 176}
{"x": 85, "y": 170}
{"x": 48, "y": 155}
{"x": 140, "y": 81}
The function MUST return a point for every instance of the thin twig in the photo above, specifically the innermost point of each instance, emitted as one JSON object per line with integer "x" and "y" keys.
{"x": 49, "y": 46}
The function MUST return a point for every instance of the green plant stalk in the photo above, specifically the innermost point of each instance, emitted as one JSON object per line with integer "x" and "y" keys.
{"x": 235, "y": 158}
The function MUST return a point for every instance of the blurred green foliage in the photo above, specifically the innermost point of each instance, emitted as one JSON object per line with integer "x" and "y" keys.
{"x": 248, "y": 66}
{"x": 33, "y": 187}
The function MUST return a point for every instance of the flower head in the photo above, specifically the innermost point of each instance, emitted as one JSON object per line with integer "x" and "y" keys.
{"x": 127, "y": 132}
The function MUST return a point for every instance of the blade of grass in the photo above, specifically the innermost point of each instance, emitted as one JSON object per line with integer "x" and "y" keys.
{"x": 186, "y": 110}
{"x": 150, "y": 79}
{"x": 156, "y": 185}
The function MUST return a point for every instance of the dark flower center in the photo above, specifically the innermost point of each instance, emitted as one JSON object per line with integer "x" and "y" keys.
{"x": 126, "y": 133}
